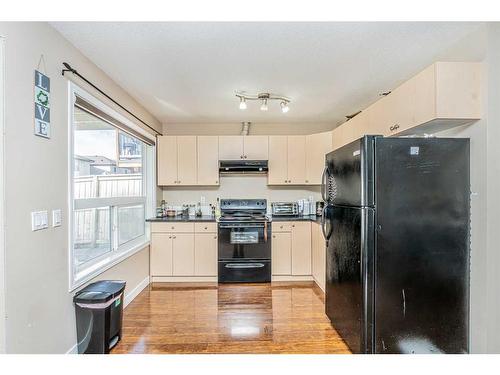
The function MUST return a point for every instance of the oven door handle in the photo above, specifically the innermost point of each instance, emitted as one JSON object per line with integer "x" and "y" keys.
{"x": 242, "y": 226}
{"x": 245, "y": 265}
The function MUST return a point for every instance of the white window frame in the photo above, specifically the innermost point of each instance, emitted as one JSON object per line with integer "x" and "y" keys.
{"x": 117, "y": 254}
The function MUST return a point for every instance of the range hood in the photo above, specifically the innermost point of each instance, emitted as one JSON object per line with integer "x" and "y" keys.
{"x": 243, "y": 167}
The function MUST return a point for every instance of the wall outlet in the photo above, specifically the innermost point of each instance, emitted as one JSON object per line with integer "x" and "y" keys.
{"x": 56, "y": 218}
{"x": 39, "y": 220}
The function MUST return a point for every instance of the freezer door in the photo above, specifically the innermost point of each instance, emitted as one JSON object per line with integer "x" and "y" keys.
{"x": 349, "y": 275}
{"x": 350, "y": 174}
{"x": 422, "y": 268}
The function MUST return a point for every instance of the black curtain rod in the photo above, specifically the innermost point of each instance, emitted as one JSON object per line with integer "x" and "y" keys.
{"x": 74, "y": 71}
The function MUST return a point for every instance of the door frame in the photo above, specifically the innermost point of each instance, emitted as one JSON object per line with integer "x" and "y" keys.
{"x": 2, "y": 199}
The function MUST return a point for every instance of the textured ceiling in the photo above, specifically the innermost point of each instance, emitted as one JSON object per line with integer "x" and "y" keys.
{"x": 188, "y": 72}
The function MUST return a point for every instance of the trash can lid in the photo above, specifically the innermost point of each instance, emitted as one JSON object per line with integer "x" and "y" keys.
{"x": 92, "y": 297}
{"x": 100, "y": 291}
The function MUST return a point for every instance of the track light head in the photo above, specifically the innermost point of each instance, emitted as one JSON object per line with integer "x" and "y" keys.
{"x": 263, "y": 106}
{"x": 243, "y": 103}
{"x": 284, "y": 106}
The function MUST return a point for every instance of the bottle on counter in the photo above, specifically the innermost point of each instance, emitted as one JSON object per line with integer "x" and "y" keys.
{"x": 217, "y": 208}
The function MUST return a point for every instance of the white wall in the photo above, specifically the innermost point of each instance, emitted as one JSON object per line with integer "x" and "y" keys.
{"x": 2, "y": 244}
{"x": 40, "y": 314}
{"x": 239, "y": 187}
{"x": 493, "y": 189}
{"x": 483, "y": 45}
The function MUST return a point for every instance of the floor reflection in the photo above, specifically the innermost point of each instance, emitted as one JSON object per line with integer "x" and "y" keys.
{"x": 229, "y": 318}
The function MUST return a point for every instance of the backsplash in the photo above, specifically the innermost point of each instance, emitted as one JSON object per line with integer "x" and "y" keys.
{"x": 239, "y": 187}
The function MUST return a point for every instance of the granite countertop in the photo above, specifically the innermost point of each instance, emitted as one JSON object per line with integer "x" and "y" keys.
{"x": 194, "y": 219}
{"x": 180, "y": 218}
{"x": 314, "y": 218}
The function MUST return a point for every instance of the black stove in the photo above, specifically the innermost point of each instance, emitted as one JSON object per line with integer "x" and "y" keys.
{"x": 244, "y": 248}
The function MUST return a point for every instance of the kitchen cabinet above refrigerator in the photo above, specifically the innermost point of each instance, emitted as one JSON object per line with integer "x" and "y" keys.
{"x": 444, "y": 95}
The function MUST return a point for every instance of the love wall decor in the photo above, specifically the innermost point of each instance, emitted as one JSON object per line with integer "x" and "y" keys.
{"x": 42, "y": 105}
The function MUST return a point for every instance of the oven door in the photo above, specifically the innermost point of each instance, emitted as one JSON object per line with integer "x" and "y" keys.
{"x": 244, "y": 240}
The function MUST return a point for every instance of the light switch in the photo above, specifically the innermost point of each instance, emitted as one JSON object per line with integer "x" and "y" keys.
{"x": 39, "y": 220}
{"x": 56, "y": 218}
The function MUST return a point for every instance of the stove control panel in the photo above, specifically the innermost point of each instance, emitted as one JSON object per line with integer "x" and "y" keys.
{"x": 243, "y": 204}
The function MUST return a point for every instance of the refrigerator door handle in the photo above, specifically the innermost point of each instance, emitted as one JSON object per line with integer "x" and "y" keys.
{"x": 323, "y": 222}
{"x": 323, "y": 185}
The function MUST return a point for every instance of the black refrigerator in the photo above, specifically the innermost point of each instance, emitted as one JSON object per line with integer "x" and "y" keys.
{"x": 396, "y": 224}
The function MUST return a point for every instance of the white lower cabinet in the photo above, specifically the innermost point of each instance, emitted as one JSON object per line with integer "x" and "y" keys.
{"x": 281, "y": 257}
{"x": 161, "y": 254}
{"x": 291, "y": 248}
{"x": 190, "y": 252}
{"x": 205, "y": 254}
{"x": 182, "y": 254}
{"x": 301, "y": 248}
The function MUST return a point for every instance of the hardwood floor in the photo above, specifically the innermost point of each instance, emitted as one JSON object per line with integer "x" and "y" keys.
{"x": 229, "y": 318}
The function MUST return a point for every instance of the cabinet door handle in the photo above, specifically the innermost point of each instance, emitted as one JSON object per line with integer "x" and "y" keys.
{"x": 172, "y": 228}
{"x": 174, "y": 237}
{"x": 215, "y": 237}
{"x": 169, "y": 236}
{"x": 307, "y": 181}
{"x": 245, "y": 156}
{"x": 216, "y": 181}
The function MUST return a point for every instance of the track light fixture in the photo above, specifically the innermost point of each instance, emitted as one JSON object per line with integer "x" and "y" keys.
{"x": 264, "y": 99}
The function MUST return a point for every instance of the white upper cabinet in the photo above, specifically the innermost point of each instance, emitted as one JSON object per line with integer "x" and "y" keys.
{"x": 287, "y": 160}
{"x": 256, "y": 147}
{"x": 237, "y": 147}
{"x": 208, "y": 160}
{"x": 186, "y": 160}
{"x": 176, "y": 160}
{"x": 317, "y": 146}
{"x": 297, "y": 159}
{"x": 444, "y": 95}
{"x": 167, "y": 160}
{"x": 278, "y": 160}
{"x": 230, "y": 147}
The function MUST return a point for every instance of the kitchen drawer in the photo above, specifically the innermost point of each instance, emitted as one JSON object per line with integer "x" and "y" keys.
{"x": 172, "y": 227}
{"x": 281, "y": 226}
{"x": 205, "y": 227}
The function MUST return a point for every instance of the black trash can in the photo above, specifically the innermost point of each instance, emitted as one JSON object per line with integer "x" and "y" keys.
{"x": 99, "y": 313}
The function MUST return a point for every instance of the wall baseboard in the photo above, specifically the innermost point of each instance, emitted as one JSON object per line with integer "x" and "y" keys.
{"x": 135, "y": 292}
{"x": 129, "y": 297}
{"x": 292, "y": 278}
{"x": 318, "y": 284}
{"x": 183, "y": 279}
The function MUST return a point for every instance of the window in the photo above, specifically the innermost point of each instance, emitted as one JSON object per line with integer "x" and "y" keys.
{"x": 111, "y": 187}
